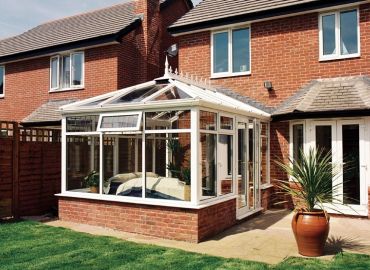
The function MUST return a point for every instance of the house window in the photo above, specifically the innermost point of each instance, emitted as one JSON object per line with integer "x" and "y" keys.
{"x": 231, "y": 52}
{"x": 339, "y": 35}
{"x": 2, "y": 79}
{"x": 66, "y": 71}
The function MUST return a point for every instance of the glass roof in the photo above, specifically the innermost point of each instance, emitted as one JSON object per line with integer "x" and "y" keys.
{"x": 166, "y": 91}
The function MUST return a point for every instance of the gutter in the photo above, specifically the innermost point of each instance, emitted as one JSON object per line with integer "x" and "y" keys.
{"x": 321, "y": 114}
{"x": 260, "y": 16}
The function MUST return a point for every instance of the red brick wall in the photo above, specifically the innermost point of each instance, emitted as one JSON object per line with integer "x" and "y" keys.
{"x": 165, "y": 222}
{"x": 284, "y": 51}
{"x": 135, "y": 60}
{"x": 27, "y": 82}
{"x": 216, "y": 219}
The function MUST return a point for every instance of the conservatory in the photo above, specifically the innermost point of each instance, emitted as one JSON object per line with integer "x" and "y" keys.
{"x": 174, "y": 145}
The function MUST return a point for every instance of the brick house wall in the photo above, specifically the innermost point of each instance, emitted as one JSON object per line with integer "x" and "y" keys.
{"x": 284, "y": 51}
{"x": 136, "y": 59}
{"x": 191, "y": 225}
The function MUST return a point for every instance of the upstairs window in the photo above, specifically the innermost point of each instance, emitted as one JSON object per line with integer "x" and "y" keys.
{"x": 339, "y": 35}
{"x": 231, "y": 52}
{"x": 2, "y": 79}
{"x": 66, "y": 71}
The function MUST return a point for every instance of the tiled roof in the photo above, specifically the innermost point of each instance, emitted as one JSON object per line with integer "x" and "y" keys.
{"x": 329, "y": 95}
{"x": 210, "y": 11}
{"x": 85, "y": 26}
{"x": 47, "y": 112}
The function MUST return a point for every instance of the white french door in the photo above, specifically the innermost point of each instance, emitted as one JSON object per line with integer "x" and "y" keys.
{"x": 248, "y": 169}
{"x": 346, "y": 140}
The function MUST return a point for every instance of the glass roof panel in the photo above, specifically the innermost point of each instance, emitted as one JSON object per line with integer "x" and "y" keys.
{"x": 138, "y": 94}
{"x": 94, "y": 103}
{"x": 171, "y": 94}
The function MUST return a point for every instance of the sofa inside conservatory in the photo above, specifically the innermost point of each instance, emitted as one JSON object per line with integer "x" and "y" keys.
{"x": 174, "y": 158}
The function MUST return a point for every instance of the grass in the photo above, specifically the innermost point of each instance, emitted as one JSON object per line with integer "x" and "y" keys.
{"x": 31, "y": 245}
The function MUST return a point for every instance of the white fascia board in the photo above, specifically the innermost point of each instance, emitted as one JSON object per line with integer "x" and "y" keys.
{"x": 234, "y": 110}
{"x": 160, "y": 105}
{"x": 243, "y": 105}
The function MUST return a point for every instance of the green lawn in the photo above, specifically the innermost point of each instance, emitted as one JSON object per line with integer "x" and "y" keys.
{"x": 30, "y": 245}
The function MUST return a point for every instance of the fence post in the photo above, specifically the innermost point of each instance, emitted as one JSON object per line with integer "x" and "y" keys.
{"x": 16, "y": 141}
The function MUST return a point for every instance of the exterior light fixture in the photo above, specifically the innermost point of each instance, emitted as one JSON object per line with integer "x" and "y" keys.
{"x": 268, "y": 85}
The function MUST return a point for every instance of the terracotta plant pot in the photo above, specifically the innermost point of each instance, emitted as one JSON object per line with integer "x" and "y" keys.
{"x": 94, "y": 190}
{"x": 311, "y": 231}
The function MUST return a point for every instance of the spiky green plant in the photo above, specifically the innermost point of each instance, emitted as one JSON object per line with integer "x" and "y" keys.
{"x": 313, "y": 175}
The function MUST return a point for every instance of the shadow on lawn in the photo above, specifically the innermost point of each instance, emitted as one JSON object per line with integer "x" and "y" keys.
{"x": 335, "y": 245}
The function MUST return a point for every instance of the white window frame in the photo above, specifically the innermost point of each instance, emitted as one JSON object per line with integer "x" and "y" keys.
{"x": 338, "y": 54}
{"x": 136, "y": 128}
{"x": 2, "y": 95}
{"x": 230, "y": 72}
{"x": 59, "y": 69}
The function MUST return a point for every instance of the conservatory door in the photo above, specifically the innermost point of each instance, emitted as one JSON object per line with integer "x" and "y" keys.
{"x": 247, "y": 184}
{"x": 345, "y": 138}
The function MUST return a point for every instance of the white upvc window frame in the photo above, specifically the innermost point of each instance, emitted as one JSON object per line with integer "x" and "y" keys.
{"x": 60, "y": 68}
{"x": 2, "y": 95}
{"x": 338, "y": 54}
{"x": 230, "y": 72}
{"x": 127, "y": 129}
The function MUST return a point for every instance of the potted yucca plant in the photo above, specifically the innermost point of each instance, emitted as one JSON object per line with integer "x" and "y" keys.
{"x": 312, "y": 187}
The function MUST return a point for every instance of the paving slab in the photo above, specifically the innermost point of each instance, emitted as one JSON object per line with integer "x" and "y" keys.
{"x": 267, "y": 238}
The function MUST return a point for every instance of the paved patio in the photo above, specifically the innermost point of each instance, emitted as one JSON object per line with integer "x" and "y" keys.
{"x": 267, "y": 238}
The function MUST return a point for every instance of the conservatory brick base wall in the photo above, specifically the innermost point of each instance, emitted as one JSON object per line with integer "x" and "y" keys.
{"x": 191, "y": 225}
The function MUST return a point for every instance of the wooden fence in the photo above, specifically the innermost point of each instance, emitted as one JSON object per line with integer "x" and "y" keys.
{"x": 30, "y": 170}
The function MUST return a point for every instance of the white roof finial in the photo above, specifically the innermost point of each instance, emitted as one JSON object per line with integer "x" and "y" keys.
{"x": 166, "y": 67}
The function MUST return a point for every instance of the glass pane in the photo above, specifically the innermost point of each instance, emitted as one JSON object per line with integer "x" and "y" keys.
{"x": 264, "y": 153}
{"x": 208, "y": 164}
{"x": 128, "y": 180}
{"x": 2, "y": 75}
{"x": 108, "y": 156}
{"x": 120, "y": 121}
{"x": 221, "y": 52}
{"x": 66, "y": 72}
{"x": 226, "y": 123}
{"x": 54, "y": 73}
{"x": 86, "y": 123}
{"x": 328, "y": 30}
{"x": 77, "y": 66}
{"x": 241, "y": 55}
{"x": 351, "y": 164}
{"x": 297, "y": 142}
{"x": 242, "y": 164}
{"x": 83, "y": 164}
{"x": 167, "y": 120}
{"x": 225, "y": 153}
{"x": 324, "y": 139}
{"x": 208, "y": 120}
{"x": 251, "y": 166}
{"x": 138, "y": 95}
{"x": 348, "y": 32}
{"x": 173, "y": 93}
{"x": 168, "y": 166}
